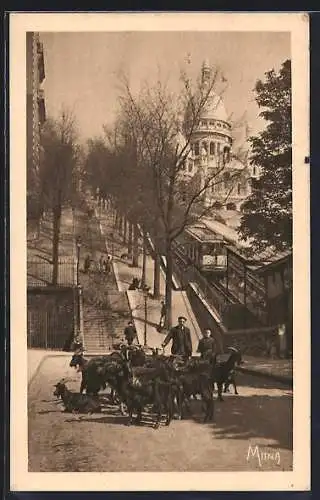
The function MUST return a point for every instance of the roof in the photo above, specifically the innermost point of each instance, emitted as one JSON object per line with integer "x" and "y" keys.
{"x": 203, "y": 234}
{"x": 232, "y": 217}
{"x": 259, "y": 262}
{"x": 227, "y": 232}
{"x": 214, "y": 108}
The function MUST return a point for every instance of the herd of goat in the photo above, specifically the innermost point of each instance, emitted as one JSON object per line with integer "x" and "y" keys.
{"x": 137, "y": 380}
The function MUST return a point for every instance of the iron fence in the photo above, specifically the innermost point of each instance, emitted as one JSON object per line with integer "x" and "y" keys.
{"x": 47, "y": 329}
{"x": 40, "y": 272}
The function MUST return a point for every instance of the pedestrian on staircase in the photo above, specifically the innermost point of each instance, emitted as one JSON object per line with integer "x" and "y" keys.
{"x": 108, "y": 264}
{"x": 87, "y": 264}
{"x": 101, "y": 264}
{"x": 162, "y": 319}
{"x": 130, "y": 333}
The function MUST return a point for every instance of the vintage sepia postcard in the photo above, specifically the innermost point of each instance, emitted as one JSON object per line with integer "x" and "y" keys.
{"x": 160, "y": 309}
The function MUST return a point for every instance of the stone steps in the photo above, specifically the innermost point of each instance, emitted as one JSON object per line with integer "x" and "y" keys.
{"x": 102, "y": 329}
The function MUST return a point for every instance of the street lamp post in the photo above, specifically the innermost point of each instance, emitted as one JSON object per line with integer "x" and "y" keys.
{"x": 78, "y": 257}
{"x": 112, "y": 250}
{"x": 145, "y": 315}
{"x": 78, "y": 285}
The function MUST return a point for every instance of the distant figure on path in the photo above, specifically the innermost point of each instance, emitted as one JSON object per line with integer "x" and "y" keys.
{"x": 282, "y": 340}
{"x": 77, "y": 345}
{"x": 107, "y": 263}
{"x": 134, "y": 285}
{"x": 87, "y": 263}
{"x": 130, "y": 333}
{"x": 207, "y": 345}
{"x": 181, "y": 339}
{"x": 101, "y": 264}
{"x": 162, "y": 315}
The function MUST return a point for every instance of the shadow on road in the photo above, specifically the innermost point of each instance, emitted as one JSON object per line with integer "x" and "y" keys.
{"x": 250, "y": 417}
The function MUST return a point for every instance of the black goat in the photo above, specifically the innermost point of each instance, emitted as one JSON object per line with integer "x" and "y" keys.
{"x": 76, "y": 402}
{"x": 224, "y": 372}
{"x": 196, "y": 378}
{"x": 97, "y": 373}
{"x": 141, "y": 386}
{"x": 85, "y": 366}
{"x": 231, "y": 381}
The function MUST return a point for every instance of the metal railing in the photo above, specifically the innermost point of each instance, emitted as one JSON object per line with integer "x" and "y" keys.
{"x": 48, "y": 329}
{"x": 216, "y": 299}
{"x": 40, "y": 272}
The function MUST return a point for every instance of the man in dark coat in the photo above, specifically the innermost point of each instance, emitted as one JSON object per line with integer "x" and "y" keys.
{"x": 130, "y": 333}
{"x": 181, "y": 339}
{"x": 207, "y": 345}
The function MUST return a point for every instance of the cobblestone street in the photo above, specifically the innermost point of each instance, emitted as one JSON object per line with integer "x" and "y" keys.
{"x": 260, "y": 415}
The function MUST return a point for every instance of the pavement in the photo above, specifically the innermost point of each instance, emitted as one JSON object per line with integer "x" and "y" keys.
{"x": 276, "y": 369}
{"x": 35, "y": 359}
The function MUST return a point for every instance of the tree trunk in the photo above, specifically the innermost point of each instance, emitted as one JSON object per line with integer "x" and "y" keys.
{"x": 156, "y": 276}
{"x": 124, "y": 230}
{"x": 130, "y": 239}
{"x": 135, "y": 253}
{"x": 144, "y": 260}
{"x": 55, "y": 243}
{"x": 169, "y": 268}
{"x": 120, "y": 223}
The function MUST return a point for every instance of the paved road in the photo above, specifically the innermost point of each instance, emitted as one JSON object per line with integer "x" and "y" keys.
{"x": 260, "y": 415}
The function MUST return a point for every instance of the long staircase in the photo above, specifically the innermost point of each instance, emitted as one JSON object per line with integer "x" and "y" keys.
{"x": 105, "y": 310}
{"x": 101, "y": 329}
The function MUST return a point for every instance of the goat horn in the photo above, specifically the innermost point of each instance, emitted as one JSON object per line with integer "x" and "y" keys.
{"x": 234, "y": 349}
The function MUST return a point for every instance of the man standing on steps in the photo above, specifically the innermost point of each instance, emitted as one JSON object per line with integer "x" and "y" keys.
{"x": 130, "y": 333}
{"x": 181, "y": 339}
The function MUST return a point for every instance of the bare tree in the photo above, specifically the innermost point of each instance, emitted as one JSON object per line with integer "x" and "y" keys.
{"x": 60, "y": 155}
{"x": 163, "y": 125}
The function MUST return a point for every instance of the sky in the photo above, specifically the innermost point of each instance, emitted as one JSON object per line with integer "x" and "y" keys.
{"x": 82, "y": 69}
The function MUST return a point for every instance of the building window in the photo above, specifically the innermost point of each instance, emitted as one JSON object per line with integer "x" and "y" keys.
{"x": 239, "y": 188}
{"x": 254, "y": 170}
{"x": 190, "y": 165}
{"x": 196, "y": 148}
{"x": 226, "y": 153}
{"x": 212, "y": 148}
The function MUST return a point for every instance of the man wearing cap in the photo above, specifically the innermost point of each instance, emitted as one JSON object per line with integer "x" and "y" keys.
{"x": 181, "y": 339}
{"x": 130, "y": 333}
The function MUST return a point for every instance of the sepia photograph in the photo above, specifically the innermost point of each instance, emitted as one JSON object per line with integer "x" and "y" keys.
{"x": 160, "y": 242}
